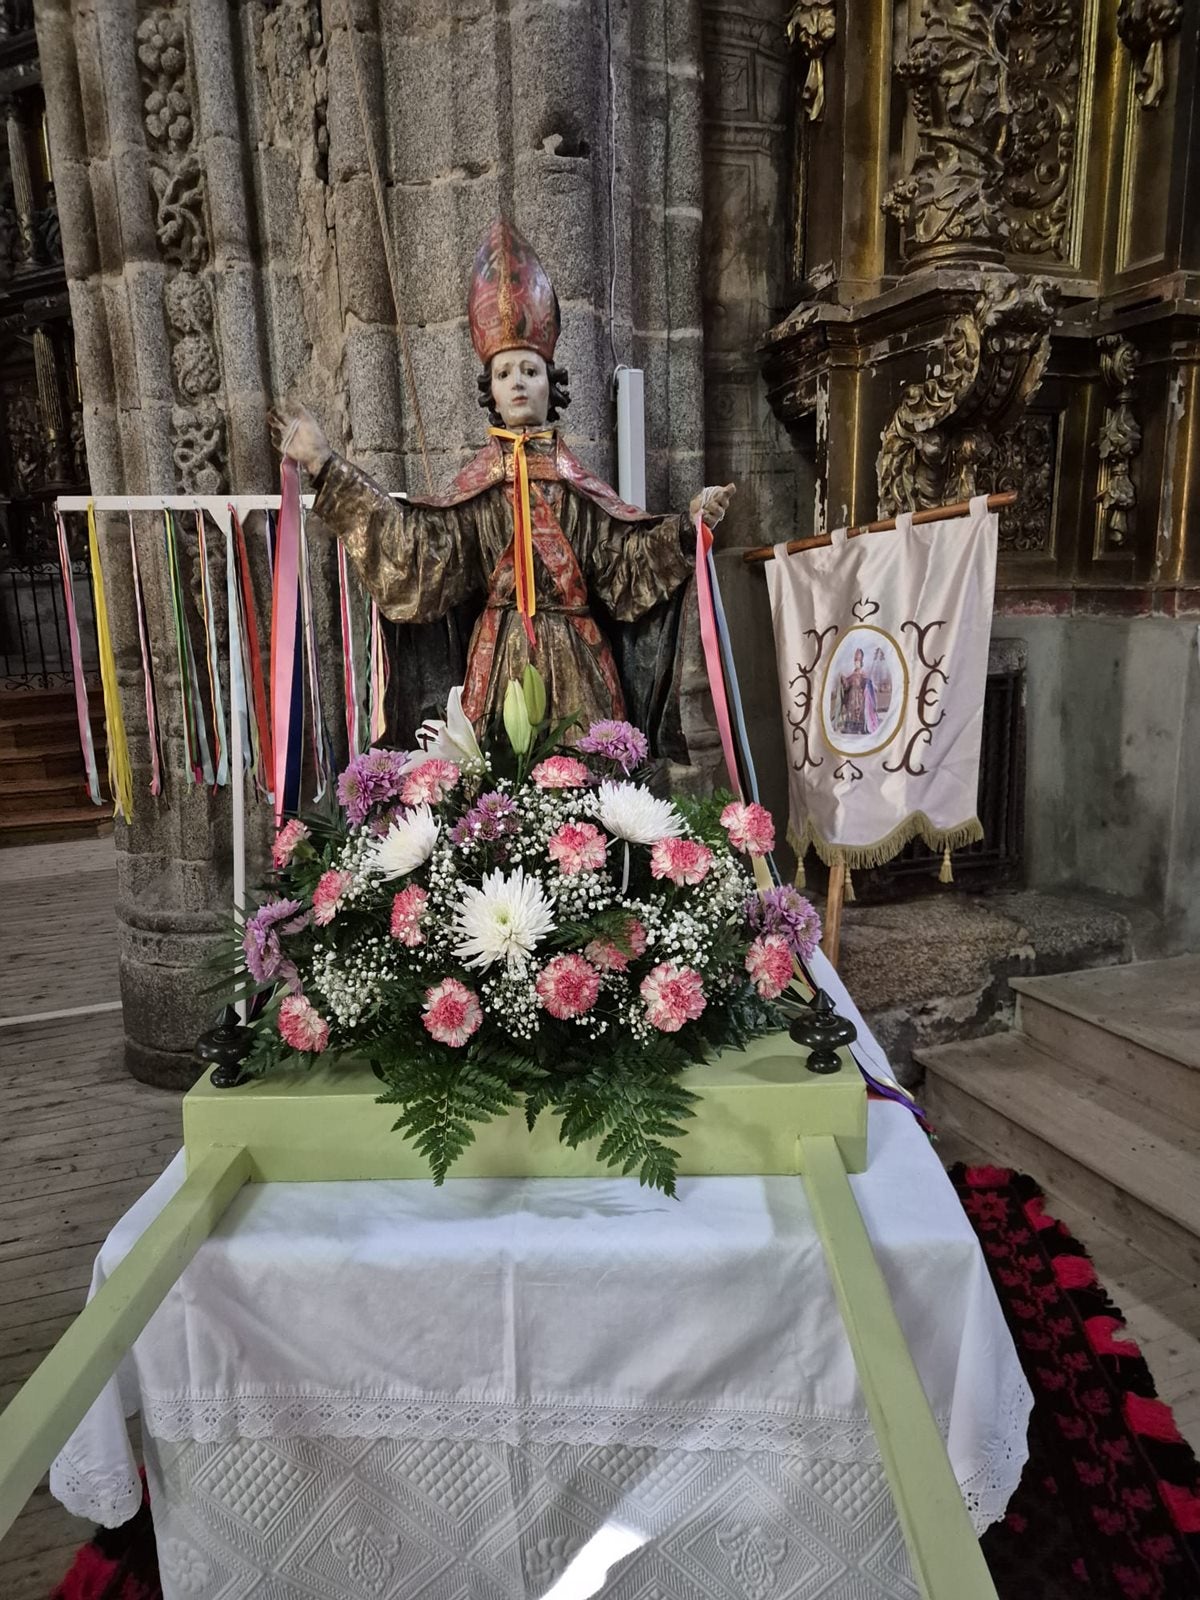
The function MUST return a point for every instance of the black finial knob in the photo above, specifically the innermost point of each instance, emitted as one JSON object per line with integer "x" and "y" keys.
{"x": 822, "y": 1032}
{"x": 224, "y": 1049}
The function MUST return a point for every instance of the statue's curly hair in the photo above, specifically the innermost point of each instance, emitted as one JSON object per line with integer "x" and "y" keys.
{"x": 560, "y": 396}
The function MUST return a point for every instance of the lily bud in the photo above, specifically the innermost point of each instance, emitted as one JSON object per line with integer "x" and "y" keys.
{"x": 534, "y": 688}
{"x": 516, "y": 719}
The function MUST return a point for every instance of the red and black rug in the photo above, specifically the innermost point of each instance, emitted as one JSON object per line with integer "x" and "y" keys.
{"x": 1108, "y": 1507}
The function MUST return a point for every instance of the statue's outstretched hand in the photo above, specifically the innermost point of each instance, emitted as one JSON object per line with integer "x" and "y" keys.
{"x": 712, "y": 503}
{"x": 298, "y": 434}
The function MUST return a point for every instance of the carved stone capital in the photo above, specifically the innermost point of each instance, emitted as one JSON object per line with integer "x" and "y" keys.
{"x": 1143, "y": 26}
{"x": 943, "y": 432}
{"x": 812, "y": 27}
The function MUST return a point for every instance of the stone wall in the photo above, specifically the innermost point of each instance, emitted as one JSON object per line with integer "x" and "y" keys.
{"x": 223, "y": 246}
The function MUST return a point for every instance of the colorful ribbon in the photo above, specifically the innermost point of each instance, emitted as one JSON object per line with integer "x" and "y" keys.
{"x": 712, "y": 652}
{"x": 139, "y": 602}
{"x": 322, "y": 755}
{"x": 82, "y": 710}
{"x": 195, "y": 737}
{"x": 239, "y": 704}
{"x": 523, "y": 578}
{"x": 257, "y": 700}
{"x": 220, "y": 739}
{"x": 286, "y": 726}
{"x": 378, "y": 725}
{"x": 120, "y": 774}
{"x": 354, "y": 719}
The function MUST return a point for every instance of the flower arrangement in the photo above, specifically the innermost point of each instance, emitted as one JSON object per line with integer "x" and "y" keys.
{"x": 523, "y": 925}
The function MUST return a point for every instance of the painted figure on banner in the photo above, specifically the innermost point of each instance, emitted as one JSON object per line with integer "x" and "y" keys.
{"x": 864, "y": 691}
{"x": 854, "y": 700}
{"x": 549, "y": 564}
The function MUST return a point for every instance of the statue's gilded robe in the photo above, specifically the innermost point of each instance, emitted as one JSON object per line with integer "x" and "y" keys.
{"x": 594, "y": 556}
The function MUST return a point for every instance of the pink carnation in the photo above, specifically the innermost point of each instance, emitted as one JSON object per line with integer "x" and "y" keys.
{"x": 452, "y": 1013}
{"x": 292, "y": 833}
{"x": 567, "y": 986}
{"x": 408, "y": 912}
{"x": 327, "y": 896}
{"x": 302, "y": 1026}
{"x": 577, "y": 847}
{"x": 430, "y": 783}
{"x": 769, "y": 962}
{"x": 681, "y": 860}
{"x": 750, "y": 828}
{"x": 560, "y": 772}
{"x": 609, "y": 957}
{"x": 673, "y": 995}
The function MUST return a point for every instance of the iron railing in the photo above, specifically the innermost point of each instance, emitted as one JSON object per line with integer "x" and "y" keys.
{"x": 35, "y": 647}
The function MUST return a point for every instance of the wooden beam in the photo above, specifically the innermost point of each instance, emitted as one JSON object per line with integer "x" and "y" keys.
{"x": 942, "y": 1547}
{"x": 50, "y": 1406}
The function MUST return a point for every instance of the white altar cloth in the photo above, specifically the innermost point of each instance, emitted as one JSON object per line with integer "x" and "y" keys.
{"x": 389, "y": 1390}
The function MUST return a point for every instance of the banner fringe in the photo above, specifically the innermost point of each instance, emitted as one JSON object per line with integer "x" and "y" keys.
{"x": 915, "y": 826}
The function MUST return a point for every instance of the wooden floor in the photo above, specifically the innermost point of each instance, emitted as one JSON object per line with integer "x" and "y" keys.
{"x": 80, "y": 1140}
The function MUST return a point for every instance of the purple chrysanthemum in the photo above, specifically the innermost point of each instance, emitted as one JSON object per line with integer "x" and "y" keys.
{"x": 494, "y": 816}
{"x": 260, "y": 939}
{"x": 371, "y": 779}
{"x": 785, "y": 911}
{"x": 619, "y": 742}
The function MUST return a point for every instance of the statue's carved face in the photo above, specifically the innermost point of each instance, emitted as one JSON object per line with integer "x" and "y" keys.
{"x": 520, "y": 388}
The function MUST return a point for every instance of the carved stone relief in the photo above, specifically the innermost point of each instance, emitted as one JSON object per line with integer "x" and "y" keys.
{"x": 1144, "y": 26}
{"x": 942, "y": 435}
{"x": 177, "y": 178}
{"x": 952, "y": 202}
{"x": 1119, "y": 441}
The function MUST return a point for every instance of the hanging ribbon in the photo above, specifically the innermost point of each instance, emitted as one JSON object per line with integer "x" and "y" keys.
{"x": 214, "y": 666}
{"x": 239, "y": 705}
{"x": 525, "y": 588}
{"x": 120, "y": 774}
{"x": 195, "y": 737}
{"x": 322, "y": 758}
{"x": 257, "y": 699}
{"x": 139, "y": 602}
{"x": 746, "y": 759}
{"x": 354, "y": 719}
{"x": 286, "y": 726}
{"x": 378, "y": 708}
{"x": 82, "y": 710}
{"x": 712, "y": 652}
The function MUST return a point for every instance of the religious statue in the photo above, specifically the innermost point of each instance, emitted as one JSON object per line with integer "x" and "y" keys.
{"x": 558, "y": 563}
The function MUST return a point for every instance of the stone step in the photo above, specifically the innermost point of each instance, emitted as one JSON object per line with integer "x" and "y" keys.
{"x": 50, "y": 825}
{"x": 20, "y": 797}
{"x": 1105, "y": 1152}
{"x": 33, "y": 729}
{"x": 62, "y": 759}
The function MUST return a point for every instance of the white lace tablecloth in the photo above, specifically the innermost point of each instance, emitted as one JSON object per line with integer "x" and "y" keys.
{"x": 499, "y": 1387}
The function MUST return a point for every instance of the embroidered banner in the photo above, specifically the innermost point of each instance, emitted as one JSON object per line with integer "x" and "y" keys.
{"x": 882, "y": 644}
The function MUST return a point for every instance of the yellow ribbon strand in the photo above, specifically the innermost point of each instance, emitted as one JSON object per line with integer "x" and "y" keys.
{"x": 120, "y": 774}
{"x": 522, "y": 522}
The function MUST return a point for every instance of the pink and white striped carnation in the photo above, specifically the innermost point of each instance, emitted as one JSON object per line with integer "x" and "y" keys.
{"x": 680, "y": 860}
{"x": 287, "y": 841}
{"x": 560, "y": 772}
{"x": 577, "y": 847}
{"x": 567, "y": 986}
{"x": 452, "y": 1012}
{"x": 430, "y": 783}
{"x": 750, "y": 828}
{"x": 302, "y": 1026}
{"x": 408, "y": 913}
{"x": 673, "y": 995}
{"x": 329, "y": 895}
{"x": 609, "y": 956}
{"x": 770, "y": 963}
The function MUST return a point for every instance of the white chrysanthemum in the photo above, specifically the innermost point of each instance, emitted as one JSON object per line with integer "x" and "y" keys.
{"x": 632, "y": 813}
{"x": 451, "y": 740}
{"x": 406, "y": 845}
{"x": 504, "y": 920}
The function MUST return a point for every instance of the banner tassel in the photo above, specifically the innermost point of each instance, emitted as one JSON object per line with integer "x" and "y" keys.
{"x": 946, "y": 875}
{"x": 848, "y": 894}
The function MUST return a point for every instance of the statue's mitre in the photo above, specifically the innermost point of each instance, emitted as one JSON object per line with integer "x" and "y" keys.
{"x": 511, "y": 303}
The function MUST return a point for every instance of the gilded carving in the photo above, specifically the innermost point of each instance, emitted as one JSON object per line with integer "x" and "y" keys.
{"x": 942, "y": 435}
{"x": 1144, "y": 26}
{"x": 812, "y": 26}
{"x": 177, "y": 179}
{"x": 1044, "y": 50}
{"x": 952, "y": 200}
{"x": 1026, "y": 459}
{"x": 1119, "y": 441}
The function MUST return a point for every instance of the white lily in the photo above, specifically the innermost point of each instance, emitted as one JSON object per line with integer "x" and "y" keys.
{"x": 450, "y": 740}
